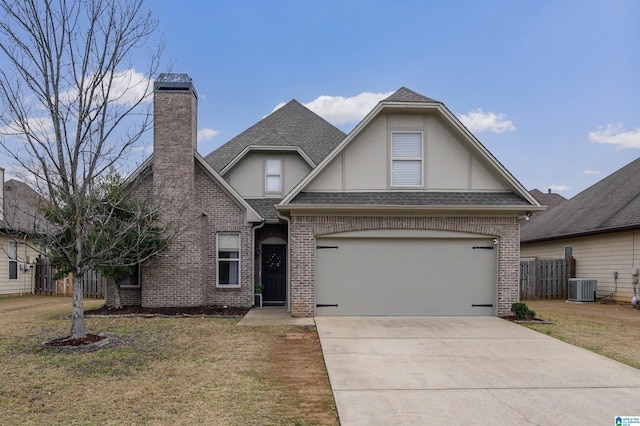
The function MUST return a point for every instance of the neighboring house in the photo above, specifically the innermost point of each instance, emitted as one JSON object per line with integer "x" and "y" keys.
{"x": 548, "y": 199}
{"x": 600, "y": 228}
{"x": 408, "y": 214}
{"x": 18, "y": 212}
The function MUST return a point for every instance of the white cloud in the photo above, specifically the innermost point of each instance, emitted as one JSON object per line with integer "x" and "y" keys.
{"x": 41, "y": 127}
{"x": 206, "y": 134}
{"x": 339, "y": 110}
{"x": 614, "y": 135}
{"x": 480, "y": 121}
{"x": 591, "y": 172}
{"x": 559, "y": 188}
{"x": 127, "y": 88}
{"x": 277, "y": 107}
{"x": 144, "y": 149}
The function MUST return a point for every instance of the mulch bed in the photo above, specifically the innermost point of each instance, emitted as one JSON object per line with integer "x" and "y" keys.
{"x": 513, "y": 318}
{"x": 68, "y": 341}
{"x": 209, "y": 310}
{"x": 133, "y": 311}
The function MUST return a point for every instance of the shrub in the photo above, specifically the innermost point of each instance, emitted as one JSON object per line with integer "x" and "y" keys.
{"x": 522, "y": 311}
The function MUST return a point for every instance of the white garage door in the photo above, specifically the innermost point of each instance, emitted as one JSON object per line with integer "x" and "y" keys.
{"x": 388, "y": 273}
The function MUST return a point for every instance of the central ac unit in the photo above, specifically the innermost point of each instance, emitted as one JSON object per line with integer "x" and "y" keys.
{"x": 582, "y": 290}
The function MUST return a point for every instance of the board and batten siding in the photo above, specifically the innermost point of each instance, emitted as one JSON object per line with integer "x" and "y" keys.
{"x": 597, "y": 257}
{"x": 448, "y": 161}
{"x": 25, "y": 281}
{"x": 248, "y": 176}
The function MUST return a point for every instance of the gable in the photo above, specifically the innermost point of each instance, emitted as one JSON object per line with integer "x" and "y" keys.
{"x": 413, "y": 154}
{"x": 247, "y": 176}
{"x": 292, "y": 125}
{"x": 450, "y": 163}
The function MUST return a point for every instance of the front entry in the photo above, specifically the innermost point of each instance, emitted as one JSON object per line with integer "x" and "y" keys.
{"x": 274, "y": 273}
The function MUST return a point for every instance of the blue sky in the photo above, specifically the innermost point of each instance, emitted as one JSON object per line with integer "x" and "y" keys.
{"x": 551, "y": 88}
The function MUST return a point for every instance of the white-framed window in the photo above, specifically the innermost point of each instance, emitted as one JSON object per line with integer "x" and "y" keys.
{"x": 273, "y": 175}
{"x": 228, "y": 260}
{"x": 568, "y": 252}
{"x": 13, "y": 260}
{"x": 406, "y": 159}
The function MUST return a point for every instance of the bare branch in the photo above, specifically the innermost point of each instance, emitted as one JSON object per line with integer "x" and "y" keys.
{"x": 72, "y": 107}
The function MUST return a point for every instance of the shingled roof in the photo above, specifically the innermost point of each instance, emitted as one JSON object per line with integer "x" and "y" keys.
{"x": 418, "y": 198}
{"x": 612, "y": 204}
{"x": 21, "y": 209}
{"x": 548, "y": 199}
{"x": 291, "y": 125}
{"x": 407, "y": 95}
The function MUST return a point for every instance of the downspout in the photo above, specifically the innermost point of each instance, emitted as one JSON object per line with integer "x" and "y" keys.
{"x": 288, "y": 220}
{"x": 253, "y": 259}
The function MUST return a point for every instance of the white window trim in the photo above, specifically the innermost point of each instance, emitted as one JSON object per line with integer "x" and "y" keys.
{"x": 280, "y": 175}
{"x": 392, "y": 159}
{"x": 13, "y": 260}
{"x": 218, "y": 285}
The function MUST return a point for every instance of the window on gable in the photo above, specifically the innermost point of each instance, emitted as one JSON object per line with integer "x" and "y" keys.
{"x": 273, "y": 175}
{"x": 228, "y": 260}
{"x": 406, "y": 159}
{"x": 13, "y": 260}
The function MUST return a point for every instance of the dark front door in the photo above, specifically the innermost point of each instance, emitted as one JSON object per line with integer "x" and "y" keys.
{"x": 274, "y": 273}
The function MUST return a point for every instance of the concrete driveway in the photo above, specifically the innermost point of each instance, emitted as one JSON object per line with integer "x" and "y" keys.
{"x": 468, "y": 370}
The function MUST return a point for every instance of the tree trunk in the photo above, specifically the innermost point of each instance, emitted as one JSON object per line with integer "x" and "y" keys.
{"x": 77, "y": 311}
{"x": 117, "y": 302}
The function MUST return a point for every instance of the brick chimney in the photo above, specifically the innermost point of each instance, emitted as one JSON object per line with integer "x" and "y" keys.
{"x": 174, "y": 131}
{"x": 176, "y": 277}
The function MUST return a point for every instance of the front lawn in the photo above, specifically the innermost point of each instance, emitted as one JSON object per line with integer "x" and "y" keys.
{"x": 178, "y": 371}
{"x": 608, "y": 329}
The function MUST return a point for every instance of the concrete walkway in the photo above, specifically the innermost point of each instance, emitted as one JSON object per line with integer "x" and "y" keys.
{"x": 468, "y": 370}
{"x": 272, "y": 315}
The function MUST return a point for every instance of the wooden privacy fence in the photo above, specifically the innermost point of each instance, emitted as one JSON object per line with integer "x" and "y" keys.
{"x": 92, "y": 282}
{"x": 544, "y": 279}
{"x": 45, "y": 284}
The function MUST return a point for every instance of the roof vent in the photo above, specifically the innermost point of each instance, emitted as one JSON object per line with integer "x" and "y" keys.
{"x": 582, "y": 289}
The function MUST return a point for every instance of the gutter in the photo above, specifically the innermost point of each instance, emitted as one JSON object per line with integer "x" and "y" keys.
{"x": 582, "y": 234}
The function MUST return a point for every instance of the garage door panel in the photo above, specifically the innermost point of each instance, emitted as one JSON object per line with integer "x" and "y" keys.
{"x": 384, "y": 276}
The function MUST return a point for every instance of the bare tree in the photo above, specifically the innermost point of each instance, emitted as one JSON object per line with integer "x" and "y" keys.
{"x": 73, "y": 107}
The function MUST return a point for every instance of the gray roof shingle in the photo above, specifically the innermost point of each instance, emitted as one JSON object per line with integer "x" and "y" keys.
{"x": 265, "y": 207}
{"x": 418, "y": 198}
{"x": 609, "y": 205}
{"x": 21, "y": 209}
{"x": 291, "y": 125}
{"x": 407, "y": 95}
{"x": 548, "y": 199}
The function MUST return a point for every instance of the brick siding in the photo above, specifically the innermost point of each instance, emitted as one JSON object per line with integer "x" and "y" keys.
{"x": 196, "y": 209}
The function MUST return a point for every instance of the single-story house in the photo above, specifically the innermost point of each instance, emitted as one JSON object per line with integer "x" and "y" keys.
{"x": 18, "y": 208}
{"x": 600, "y": 228}
{"x": 408, "y": 214}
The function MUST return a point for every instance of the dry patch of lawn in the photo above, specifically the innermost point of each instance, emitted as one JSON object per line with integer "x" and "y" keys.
{"x": 607, "y": 329}
{"x": 163, "y": 371}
